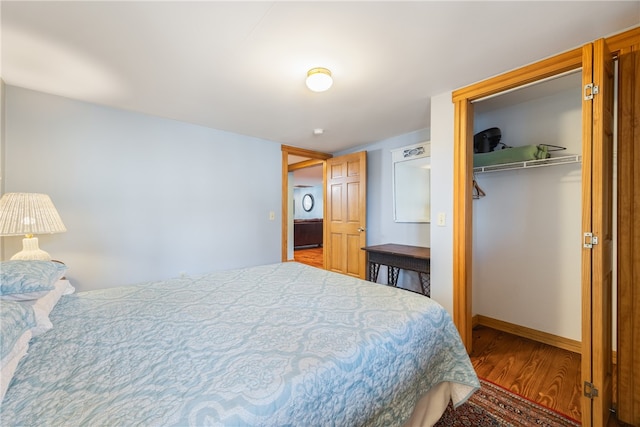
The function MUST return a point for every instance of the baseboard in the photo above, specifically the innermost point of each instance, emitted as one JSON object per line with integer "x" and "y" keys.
{"x": 532, "y": 334}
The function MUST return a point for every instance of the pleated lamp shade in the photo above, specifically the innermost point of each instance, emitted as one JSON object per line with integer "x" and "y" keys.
{"x": 26, "y": 214}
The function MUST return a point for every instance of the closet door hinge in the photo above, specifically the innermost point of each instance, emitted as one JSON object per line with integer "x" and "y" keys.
{"x": 590, "y": 390}
{"x": 588, "y": 240}
{"x": 590, "y": 90}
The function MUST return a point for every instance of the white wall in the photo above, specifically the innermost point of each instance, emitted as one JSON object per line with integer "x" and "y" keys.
{"x": 143, "y": 198}
{"x": 495, "y": 294}
{"x": 2, "y": 126}
{"x": 381, "y": 227}
{"x": 526, "y": 231}
{"x": 2, "y": 156}
{"x": 442, "y": 120}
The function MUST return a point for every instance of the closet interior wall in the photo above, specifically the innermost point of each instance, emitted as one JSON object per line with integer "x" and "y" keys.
{"x": 527, "y": 229}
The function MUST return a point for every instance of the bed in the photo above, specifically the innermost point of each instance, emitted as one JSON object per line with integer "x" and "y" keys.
{"x": 275, "y": 345}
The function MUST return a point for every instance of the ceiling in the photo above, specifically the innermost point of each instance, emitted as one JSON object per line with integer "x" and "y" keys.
{"x": 240, "y": 66}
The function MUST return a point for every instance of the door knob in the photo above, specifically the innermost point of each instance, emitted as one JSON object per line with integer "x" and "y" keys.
{"x": 361, "y": 229}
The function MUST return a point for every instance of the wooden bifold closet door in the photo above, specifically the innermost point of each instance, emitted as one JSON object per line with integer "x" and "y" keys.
{"x": 597, "y": 219}
{"x": 596, "y": 63}
{"x": 628, "y": 327}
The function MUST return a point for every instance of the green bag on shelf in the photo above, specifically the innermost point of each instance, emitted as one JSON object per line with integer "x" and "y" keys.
{"x": 511, "y": 155}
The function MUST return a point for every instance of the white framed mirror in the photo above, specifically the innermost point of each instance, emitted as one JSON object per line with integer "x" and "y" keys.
{"x": 412, "y": 183}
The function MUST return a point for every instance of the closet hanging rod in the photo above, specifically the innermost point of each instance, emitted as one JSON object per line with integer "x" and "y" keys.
{"x": 524, "y": 86}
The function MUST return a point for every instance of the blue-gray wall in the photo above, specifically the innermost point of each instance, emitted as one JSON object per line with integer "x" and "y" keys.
{"x": 142, "y": 197}
{"x": 318, "y": 204}
{"x": 381, "y": 227}
{"x": 124, "y": 183}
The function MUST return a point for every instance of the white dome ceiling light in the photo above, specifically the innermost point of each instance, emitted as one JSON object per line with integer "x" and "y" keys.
{"x": 319, "y": 79}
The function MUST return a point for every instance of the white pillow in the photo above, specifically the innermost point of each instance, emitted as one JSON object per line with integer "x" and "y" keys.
{"x": 69, "y": 289}
{"x": 16, "y": 321}
{"x": 21, "y": 342}
{"x": 43, "y": 306}
{"x": 10, "y": 363}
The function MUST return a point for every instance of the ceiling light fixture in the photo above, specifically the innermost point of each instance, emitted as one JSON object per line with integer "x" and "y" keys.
{"x": 319, "y": 79}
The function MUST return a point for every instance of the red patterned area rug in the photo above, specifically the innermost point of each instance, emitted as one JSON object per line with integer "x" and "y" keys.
{"x": 492, "y": 405}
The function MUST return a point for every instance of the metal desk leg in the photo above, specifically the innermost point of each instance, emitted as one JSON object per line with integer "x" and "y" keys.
{"x": 392, "y": 275}
{"x": 373, "y": 271}
{"x": 425, "y": 281}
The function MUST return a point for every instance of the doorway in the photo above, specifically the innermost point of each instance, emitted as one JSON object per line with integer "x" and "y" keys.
{"x": 344, "y": 208}
{"x": 308, "y": 213}
{"x": 312, "y": 174}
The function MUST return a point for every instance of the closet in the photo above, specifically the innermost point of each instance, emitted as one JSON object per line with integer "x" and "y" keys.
{"x": 527, "y": 226}
{"x": 594, "y": 63}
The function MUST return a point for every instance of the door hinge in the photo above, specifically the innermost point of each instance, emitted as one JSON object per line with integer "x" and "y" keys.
{"x": 589, "y": 240}
{"x": 590, "y": 390}
{"x": 590, "y": 90}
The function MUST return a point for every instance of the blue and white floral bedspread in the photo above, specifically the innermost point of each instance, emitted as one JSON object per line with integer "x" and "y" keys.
{"x": 274, "y": 345}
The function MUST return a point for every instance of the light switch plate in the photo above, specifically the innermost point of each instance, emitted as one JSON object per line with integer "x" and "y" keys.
{"x": 442, "y": 219}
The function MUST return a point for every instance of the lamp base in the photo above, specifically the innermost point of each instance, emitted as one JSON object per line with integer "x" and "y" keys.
{"x": 30, "y": 251}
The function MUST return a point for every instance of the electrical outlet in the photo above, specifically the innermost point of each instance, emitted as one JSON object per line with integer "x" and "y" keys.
{"x": 442, "y": 219}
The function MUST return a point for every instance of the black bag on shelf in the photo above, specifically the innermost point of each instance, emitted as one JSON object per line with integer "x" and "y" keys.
{"x": 487, "y": 140}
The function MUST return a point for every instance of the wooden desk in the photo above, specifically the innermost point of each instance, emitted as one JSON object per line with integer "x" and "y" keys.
{"x": 396, "y": 257}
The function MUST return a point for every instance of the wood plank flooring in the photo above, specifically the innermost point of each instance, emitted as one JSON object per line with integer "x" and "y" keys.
{"x": 309, "y": 256}
{"x": 542, "y": 373}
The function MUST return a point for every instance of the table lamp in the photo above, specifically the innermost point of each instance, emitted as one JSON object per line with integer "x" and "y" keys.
{"x": 26, "y": 214}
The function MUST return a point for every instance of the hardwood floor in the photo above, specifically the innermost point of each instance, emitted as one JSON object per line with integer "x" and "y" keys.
{"x": 542, "y": 373}
{"x": 309, "y": 256}
{"x": 539, "y": 372}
